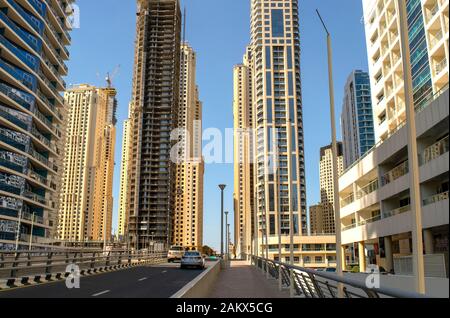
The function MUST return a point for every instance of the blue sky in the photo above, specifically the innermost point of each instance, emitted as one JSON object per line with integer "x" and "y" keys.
{"x": 219, "y": 31}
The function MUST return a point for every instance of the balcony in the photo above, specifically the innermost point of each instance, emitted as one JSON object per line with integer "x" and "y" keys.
{"x": 15, "y": 139}
{"x": 434, "y": 39}
{"x": 440, "y": 66}
{"x": 396, "y": 211}
{"x": 436, "y": 198}
{"x": 347, "y": 200}
{"x": 396, "y": 173}
{"x": 432, "y": 12}
{"x": 367, "y": 189}
{"x": 363, "y": 222}
{"x": 435, "y": 151}
{"x": 25, "y": 78}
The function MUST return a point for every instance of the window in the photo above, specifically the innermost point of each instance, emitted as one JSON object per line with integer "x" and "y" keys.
{"x": 272, "y": 224}
{"x": 277, "y": 23}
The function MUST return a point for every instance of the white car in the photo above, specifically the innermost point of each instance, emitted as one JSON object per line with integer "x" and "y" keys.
{"x": 192, "y": 259}
{"x": 175, "y": 253}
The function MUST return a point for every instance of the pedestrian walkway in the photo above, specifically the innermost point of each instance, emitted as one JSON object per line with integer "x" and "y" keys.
{"x": 243, "y": 280}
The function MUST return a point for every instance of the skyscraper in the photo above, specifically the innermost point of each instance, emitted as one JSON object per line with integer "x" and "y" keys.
{"x": 123, "y": 209}
{"x": 280, "y": 191}
{"x": 155, "y": 102}
{"x": 243, "y": 163}
{"x": 188, "y": 221}
{"x": 357, "y": 118}
{"x": 86, "y": 194}
{"x": 321, "y": 216}
{"x": 33, "y": 40}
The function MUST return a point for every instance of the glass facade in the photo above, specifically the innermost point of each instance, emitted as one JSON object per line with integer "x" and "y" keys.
{"x": 33, "y": 40}
{"x": 420, "y": 65}
{"x": 357, "y": 123}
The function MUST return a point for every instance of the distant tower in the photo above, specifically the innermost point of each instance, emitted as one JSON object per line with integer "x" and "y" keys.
{"x": 155, "y": 102}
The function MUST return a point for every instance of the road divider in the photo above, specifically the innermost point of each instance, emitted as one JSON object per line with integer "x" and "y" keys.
{"x": 201, "y": 286}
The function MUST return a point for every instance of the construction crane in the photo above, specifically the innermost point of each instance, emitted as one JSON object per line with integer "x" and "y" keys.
{"x": 110, "y": 76}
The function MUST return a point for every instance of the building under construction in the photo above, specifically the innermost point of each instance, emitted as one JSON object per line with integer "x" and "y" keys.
{"x": 154, "y": 115}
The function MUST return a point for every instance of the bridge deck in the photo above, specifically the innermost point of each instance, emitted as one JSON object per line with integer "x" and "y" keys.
{"x": 242, "y": 280}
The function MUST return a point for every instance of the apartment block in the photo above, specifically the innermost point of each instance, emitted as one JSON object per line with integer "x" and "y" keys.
{"x": 123, "y": 209}
{"x": 428, "y": 41}
{"x": 86, "y": 194}
{"x": 244, "y": 225}
{"x": 358, "y": 135}
{"x": 34, "y": 36}
{"x": 155, "y": 101}
{"x": 375, "y": 191}
{"x": 188, "y": 221}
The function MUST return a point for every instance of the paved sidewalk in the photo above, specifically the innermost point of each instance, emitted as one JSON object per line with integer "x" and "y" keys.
{"x": 245, "y": 281}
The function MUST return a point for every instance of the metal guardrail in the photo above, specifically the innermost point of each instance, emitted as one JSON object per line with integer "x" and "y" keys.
{"x": 309, "y": 283}
{"x": 29, "y": 263}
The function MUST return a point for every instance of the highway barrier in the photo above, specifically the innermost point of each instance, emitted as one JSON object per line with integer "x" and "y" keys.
{"x": 36, "y": 267}
{"x": 201, "y": 286}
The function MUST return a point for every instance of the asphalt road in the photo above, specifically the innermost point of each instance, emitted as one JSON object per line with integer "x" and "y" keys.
{"x": 161, "y": 281}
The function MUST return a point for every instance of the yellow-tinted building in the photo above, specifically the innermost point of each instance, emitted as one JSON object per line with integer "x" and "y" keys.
{"x": 188, "y": 220}
{"x": 243, "y": 168}
{"x": 123, "y": 211}
{"x": 321, "y": 216}
{"x": 86, "y": 195}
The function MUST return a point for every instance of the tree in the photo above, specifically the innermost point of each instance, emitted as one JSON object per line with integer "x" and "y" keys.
{"x": 207, "y": 250}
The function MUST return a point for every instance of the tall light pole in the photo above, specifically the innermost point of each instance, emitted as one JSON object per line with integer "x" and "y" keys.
{"x": 416, "y": 211}
{"x": 337, "y": 211}
{"x": 222, "y": 188}
{"x": 226, "y": 236}
{"x": 228, "y": 242}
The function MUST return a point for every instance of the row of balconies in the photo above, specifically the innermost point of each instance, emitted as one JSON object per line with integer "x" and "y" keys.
{"x": 430, "y": 153}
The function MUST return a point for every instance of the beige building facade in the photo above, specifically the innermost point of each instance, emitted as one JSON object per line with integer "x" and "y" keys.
{"x": 86, "y": 202}
{"x": 243, "y": 166}
{"x": 123, "y": 211}
{"x": 375, "y": 193}
{"x": 321, "y": 216}
{"x": 188, "y": 220}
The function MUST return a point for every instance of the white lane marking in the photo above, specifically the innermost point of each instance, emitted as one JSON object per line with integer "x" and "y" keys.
{"x": 101, "y": 293}
{"x": 142, "y": 279}
{"x": 164, "y": 272}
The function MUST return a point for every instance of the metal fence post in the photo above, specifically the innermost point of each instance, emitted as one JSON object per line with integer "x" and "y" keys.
{"x": 49, "y": 263}
{"x": 14, "y": 265}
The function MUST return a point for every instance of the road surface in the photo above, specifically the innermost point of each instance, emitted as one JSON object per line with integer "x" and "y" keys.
{"x": 157, "y": 281}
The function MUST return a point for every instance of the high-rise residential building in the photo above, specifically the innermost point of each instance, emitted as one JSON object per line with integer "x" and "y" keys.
{"x": 375, "y": 193}
{"x": 123, "y": 209}
{"x": 280, "y": 191}
{"x": 358, "y": 135}
{"x": 155, "y": 101}
{"x": 188, "y": 220}
{"x": 321, "y": 216}
{"x": 243, "y": 158}
{"x": 326, "y": 175}
{"x": 428, "y": 41}
{"x": 33, "y": 40}
{"x": 86, "y": 204}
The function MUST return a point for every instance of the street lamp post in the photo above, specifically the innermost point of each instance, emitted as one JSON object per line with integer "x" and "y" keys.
{"x": 228, "y": 242}
{"x": 416, "y": 209}
{"x": 226, "y": 237}
{"x": 222, "y": 188}
{"x": 337, "y": 211}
